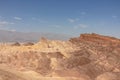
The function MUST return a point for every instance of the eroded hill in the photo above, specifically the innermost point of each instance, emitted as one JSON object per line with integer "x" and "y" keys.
{"x": 88, "y": 57}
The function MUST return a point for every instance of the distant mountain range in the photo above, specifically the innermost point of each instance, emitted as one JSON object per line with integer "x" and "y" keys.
{"x": 14, "y": 36}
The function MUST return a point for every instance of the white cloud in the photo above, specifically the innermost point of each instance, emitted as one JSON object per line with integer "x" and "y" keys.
{"x": 73, "y": 20}
{"x": 34, "y": 18}
{"x": 17, "y": 18}
{"x": 80, "y": 26}
{"x": 83, "y": 13}
{"x": 13, "y": 30}
{"x": 8, "y": 29}
{"x": 4, "y": 23}
{"x": 57, "y": 26}
{"x": 39, "y": 20}
{"x": 114, "y": 16}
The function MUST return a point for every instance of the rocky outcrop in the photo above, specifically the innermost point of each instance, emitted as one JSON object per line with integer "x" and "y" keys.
{"x": 16, "y": 44}
{"x": 108, "y": 76}
{"x": 88, "y": 57}
{"x": 96, "y": 39}
{"x": 28, "y": 44}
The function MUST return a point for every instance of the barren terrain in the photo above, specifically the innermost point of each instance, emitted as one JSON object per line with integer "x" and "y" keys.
{"x": 88, "y": 57}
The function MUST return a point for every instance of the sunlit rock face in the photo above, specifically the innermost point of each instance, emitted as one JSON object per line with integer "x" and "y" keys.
{"x": 88, "y": 57}
{"x": 109, "y": 76}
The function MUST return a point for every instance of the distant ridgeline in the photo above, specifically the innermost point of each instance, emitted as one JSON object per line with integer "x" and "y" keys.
{"x": 13, "y": 36}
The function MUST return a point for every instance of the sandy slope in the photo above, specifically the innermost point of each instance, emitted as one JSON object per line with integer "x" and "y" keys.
{"x": 88, "y": 57}
{"x": 11, "y": 74}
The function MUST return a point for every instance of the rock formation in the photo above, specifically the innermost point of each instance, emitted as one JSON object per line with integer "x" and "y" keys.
{"x": 88, "y": 57}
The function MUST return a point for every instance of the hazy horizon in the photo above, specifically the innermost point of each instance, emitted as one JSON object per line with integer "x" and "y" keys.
{"x": 61, "y": 16}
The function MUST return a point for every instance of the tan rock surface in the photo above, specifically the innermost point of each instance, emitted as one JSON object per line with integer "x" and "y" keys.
{"x": 87, "y": 57}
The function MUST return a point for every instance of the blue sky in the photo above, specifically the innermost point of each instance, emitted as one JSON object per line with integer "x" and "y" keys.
{"x": 61, "y": 16}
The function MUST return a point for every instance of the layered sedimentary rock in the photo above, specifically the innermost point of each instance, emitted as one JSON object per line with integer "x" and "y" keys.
{"x": 88, "y": 57}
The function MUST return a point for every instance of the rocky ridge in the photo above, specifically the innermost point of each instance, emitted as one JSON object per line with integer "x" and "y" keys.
{"x": 88, "y": 57}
